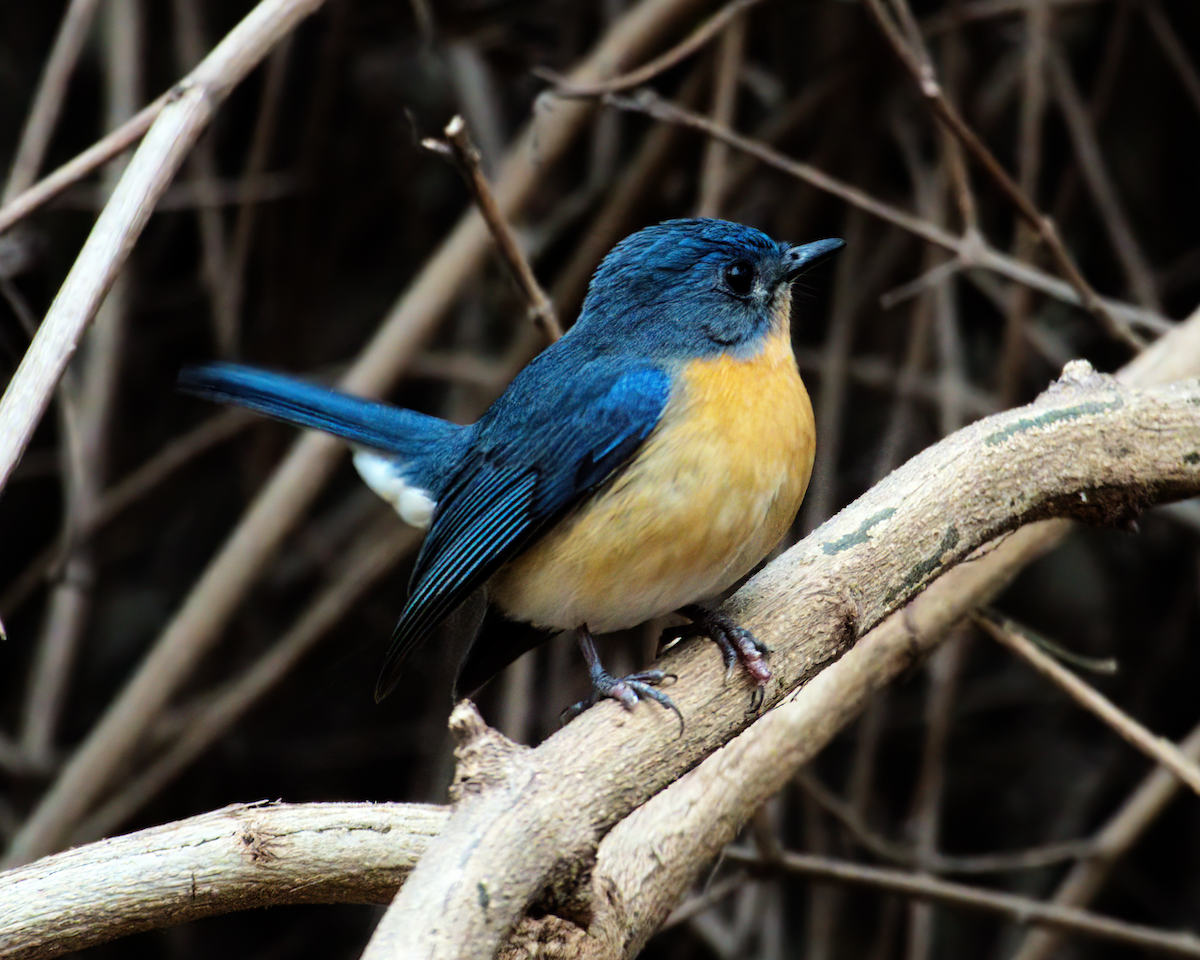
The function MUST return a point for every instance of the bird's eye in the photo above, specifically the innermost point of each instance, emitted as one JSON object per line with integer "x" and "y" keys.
{"x": 739, "y": 277}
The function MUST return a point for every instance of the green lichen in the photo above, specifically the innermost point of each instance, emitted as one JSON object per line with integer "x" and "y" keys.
{"x": 920, "y": 571}
{"x": 1051, "y": 417}
{"x": 861, "y": 535}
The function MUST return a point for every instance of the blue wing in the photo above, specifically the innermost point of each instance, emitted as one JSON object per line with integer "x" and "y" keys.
{"x": 532, "y": 460}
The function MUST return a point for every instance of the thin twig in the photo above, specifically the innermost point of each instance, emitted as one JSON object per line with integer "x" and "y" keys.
{"x": 1158, "y": 749}
{"x": 713, "y": 167}
{"x": 23, "y": 204}
{"x": 938, "y": 301}
{"x": 1104, "y": 85}
{"x": 944, "y": 671}
{"x": 1176, "y": 53}
{"x": 954, "y": 56}
{"x": 1031, "y": 859}
{"x": 917, "y": 63}
{"x": 459, "y": 148}
{"x": 635, "y": 78}
{"x": 234, "y": 282}
{"x": 855, "y": 275}
{"x": 48, "y": 101}
{"x": 1029, "y": 165}
{"x": 927, "y": 280}
{"x": 201, "y": 172}
{"x": 1017, "y": 909}
{"x": 709, "y": 898}
{"x": 932, "y": 314}
{"x": 479, "y": 99}
{"x": 987, "y": 10}
{"x": 972, "y": 249}
{"x": 1138, "y": 271}
{"x": 1112, "y": 841}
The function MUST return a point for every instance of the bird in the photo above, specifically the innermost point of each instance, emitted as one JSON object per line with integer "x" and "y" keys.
{"x": 640, "y": 465}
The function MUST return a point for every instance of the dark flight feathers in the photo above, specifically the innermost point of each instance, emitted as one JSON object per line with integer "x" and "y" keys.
{"x": 512, "y": 483}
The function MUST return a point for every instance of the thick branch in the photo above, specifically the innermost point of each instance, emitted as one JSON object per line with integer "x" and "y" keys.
{"x": 1087, "y": 448}
{"x": 649, "y": 860}
{"x": 246, "y": 855}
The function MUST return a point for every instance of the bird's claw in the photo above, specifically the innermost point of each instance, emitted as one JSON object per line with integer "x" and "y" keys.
{"x": 627, "y": 691}
{"x": 737, "y": 645}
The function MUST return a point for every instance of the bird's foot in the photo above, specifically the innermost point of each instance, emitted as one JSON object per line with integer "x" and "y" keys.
{"x": 627, "y": 690}
{"x": 737, "y": 644}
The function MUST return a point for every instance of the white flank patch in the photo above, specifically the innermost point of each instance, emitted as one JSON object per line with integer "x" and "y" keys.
{"x": 382, "y": 475}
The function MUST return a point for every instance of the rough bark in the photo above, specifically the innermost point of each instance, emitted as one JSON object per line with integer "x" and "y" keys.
{"x": 242, "y": 856}
{"x": 1088, "y": 448}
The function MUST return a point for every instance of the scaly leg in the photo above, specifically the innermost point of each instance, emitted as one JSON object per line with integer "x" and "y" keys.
{"x": 627, "y": 691}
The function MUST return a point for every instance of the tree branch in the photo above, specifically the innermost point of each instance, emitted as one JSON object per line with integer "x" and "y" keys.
{"x": 242, "y": 856}
{"x": 1018, "y": 909}
{"x": 970, "y": 248}
{"x": 646, "y": 863}
{"x": 529, "y": 831}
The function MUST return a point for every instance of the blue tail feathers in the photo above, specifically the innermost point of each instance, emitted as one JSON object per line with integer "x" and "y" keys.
{"x": 404, "y": 433}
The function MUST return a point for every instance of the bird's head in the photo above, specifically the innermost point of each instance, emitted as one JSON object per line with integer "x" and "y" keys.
{"x": 695, "y": 288}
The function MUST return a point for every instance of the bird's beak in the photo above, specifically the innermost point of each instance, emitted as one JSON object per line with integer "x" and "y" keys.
{"x": 803, "y": 257}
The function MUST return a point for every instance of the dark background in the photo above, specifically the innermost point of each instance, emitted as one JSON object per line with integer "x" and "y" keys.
{"x": 344, "y": 213}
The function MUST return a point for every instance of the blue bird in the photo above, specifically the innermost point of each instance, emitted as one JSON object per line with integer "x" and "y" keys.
{"x": 644, "y": 462}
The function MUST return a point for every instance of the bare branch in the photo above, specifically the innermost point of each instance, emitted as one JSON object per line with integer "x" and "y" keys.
{"x": 907, "y": 856}
{"x": 541, "y": 810}
{"x": 918, "y": 64}
{"x": 677, "y": 54}
{"x": 1016, "y": 908}
{"x": 462, "y": 152}
{"x": 51, "y": 92}
{"x": 713, "y": 173}
{"x": 970, "y": 248}
{"x": 242, "y": 856}
{"x": 1158, "y": 749}
{"x": 1096, "y": 174}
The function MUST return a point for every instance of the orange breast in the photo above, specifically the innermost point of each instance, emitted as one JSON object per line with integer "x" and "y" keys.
{"x": 713, "y": 490}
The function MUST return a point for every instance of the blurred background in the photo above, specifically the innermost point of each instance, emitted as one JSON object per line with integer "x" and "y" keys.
{"x": 310, "y": 206}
